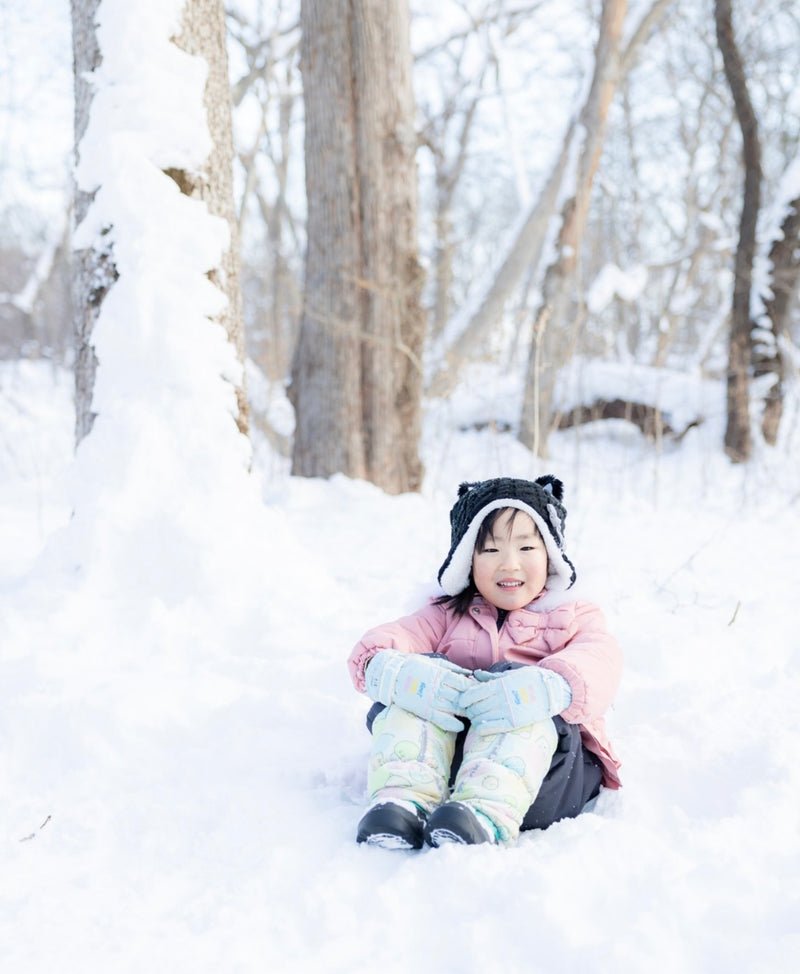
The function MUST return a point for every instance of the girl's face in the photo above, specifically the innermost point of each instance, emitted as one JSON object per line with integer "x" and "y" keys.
{"x": 510, "y": 569}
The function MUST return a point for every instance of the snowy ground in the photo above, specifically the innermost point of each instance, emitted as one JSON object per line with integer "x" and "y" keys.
{"x": 182, "y": 755}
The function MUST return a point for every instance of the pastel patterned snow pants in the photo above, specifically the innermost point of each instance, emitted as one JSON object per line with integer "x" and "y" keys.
{"x": 499, "y": 774}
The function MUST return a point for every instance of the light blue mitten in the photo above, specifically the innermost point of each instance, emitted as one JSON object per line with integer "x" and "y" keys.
{"x": 427, "y": 686}
{"x": 513, "y": 698}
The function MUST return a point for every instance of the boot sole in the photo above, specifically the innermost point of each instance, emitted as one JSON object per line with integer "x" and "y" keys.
{"x": 388, "y": 841}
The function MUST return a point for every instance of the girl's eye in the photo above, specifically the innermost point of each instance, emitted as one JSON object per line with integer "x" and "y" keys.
{"x": 489, "y": 551}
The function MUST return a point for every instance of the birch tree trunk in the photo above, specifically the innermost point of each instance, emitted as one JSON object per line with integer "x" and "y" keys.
{"x": 356, "y": 377}
{"x": 738, "y": 437}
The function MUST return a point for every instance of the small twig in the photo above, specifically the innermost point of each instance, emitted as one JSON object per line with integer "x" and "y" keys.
{"x": 735, "y": 613}
{"x": 27, "y": 838}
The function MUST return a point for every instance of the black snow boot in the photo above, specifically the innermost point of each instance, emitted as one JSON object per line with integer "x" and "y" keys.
{"x": 391, "y": 825}
{"x": 454, "y": 822}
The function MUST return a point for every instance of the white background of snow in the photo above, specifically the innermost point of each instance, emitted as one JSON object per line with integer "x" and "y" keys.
{"x": 178, "y": 702}
{"x": 182, "y": 756}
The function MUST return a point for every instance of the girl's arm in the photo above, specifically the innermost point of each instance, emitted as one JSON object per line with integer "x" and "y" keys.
{"x": 420, "y": 632}
{"x": 591, "y": 662}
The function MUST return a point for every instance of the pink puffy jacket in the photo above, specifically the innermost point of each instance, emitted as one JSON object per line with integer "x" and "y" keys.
{"x": 570, "y": 638}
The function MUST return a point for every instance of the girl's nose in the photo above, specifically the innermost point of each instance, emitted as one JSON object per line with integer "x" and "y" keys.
{"x": 510, "y": 560}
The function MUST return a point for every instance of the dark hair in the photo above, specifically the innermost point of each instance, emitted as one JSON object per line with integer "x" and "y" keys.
{"x": 461, "y": 602}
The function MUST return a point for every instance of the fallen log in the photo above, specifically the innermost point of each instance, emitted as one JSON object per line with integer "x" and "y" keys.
{"x": 653, "y": 423}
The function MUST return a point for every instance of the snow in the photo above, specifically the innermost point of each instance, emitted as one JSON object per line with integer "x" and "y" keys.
{"x": 613, "y": 282}
{"x": 182, "y": 755}
{"x": 684, "y": 396}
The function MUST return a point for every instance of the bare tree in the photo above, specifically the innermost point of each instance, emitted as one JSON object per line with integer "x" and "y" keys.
{"x": 551, "y": 334}
{"x": 356, "y": 377}
{"x": 575, "y": 164}
{"x": 738, "y": 438}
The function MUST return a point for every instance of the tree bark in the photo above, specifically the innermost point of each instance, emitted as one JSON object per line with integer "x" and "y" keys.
{"x": 326, "y": 372}
{"x": 738, "y": 437}
{"x": 203, "y": 33}
{"x": 93, "y": 268}
{"x": 356, "y": 377}
{"x": 785, "y": 279}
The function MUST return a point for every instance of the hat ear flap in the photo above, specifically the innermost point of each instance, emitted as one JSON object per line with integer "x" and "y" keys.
{"x": 552, "y": 485}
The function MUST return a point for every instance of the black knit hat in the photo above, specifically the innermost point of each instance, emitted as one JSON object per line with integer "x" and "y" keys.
{"x": 540, "y": 499}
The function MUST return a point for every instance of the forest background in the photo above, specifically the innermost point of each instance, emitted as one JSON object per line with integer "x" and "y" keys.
{"x": 499, "y": 88}
{"x": 182, "y": 755}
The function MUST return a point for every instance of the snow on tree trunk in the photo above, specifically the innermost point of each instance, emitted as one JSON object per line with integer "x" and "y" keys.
{"x": 114, "y": 123}
{"x": 162, "y": 477}
{"x": 784, "y": 257}
{"x": 203, "y": 33}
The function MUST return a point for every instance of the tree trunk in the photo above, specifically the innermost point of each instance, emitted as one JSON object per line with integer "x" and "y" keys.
{"x": 552, "y": 342}
{"x": 203, "y": 33}
{"x": 356, "y": 377}
{"x": 93, "y": 268}
{"x": 326, "y": 372}
{"x": 785, "y": 279}
{"x": 738, "y": 438}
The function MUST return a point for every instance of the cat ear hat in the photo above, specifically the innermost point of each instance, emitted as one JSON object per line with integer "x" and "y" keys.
{"x": 540, "y": 499}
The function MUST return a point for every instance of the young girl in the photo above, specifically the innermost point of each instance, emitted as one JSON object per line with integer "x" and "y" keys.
{"x": 489, "y": 701}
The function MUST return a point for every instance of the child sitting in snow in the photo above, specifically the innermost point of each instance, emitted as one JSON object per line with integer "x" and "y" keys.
{"x": 489, "y": 700}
